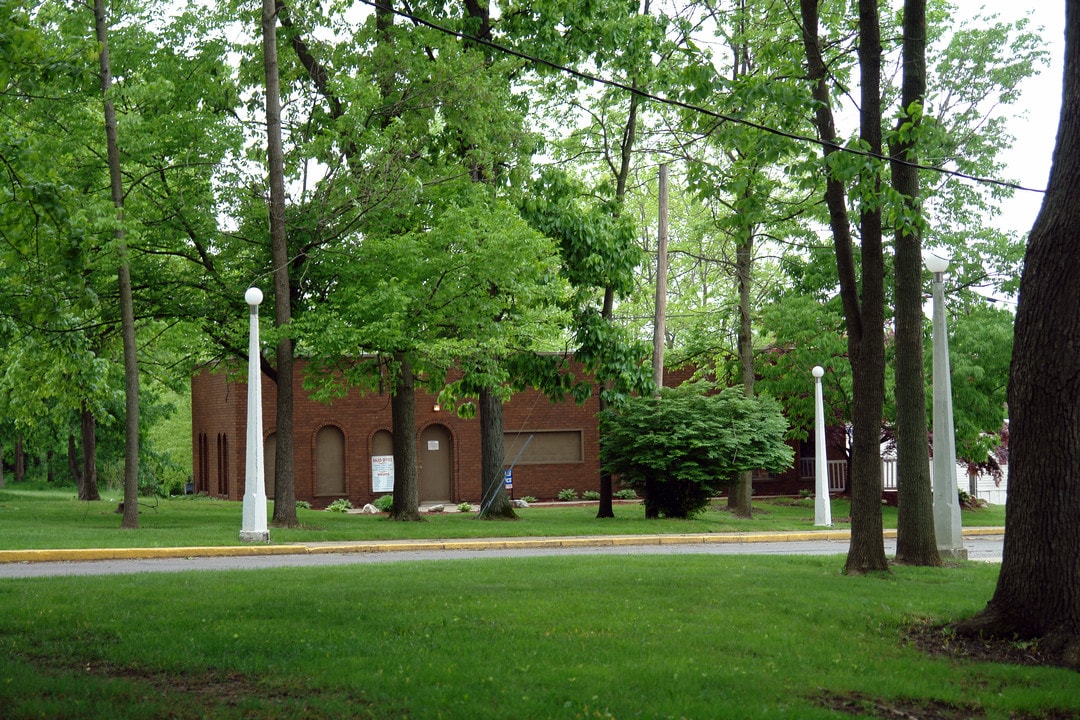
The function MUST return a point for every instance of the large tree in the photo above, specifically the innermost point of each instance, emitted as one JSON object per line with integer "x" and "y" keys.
{"x": 127, "y": 309}
{"x": 862, "y": 295}
{"x": 915, "y": 540}
{"x": 1038, "y": 591}
{"x": 284, "y": 480}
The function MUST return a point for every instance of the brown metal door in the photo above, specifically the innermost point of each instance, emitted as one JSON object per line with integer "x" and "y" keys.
{"x": 435, "y": 454}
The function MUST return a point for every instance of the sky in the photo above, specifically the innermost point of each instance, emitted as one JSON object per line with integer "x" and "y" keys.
{"x": 1036, "y": 130}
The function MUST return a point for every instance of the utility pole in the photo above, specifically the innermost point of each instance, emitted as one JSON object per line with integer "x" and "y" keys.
{"x": 661, "y": 281}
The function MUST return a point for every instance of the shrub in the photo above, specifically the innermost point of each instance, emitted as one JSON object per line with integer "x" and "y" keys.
{"x": 567, "y": 494}
{"x": 683, "y": 447}
{"x": 384, "y": 503}
{"x": 464, "y": 507}
{"x": 590, "y": 495}
{"x": 529, "y": 499}
{"x": 303, "y": 505}
{"x": 340, "y": 505}
{"x": 626, "y": 494}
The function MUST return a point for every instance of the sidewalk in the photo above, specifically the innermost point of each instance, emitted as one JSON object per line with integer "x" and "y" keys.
{"x": 389, "y": 546}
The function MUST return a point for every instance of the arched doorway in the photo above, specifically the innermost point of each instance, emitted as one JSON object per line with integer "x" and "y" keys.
{"x": 434, "y": 457}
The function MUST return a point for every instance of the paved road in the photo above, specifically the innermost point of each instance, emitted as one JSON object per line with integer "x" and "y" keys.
{"x": 981, "y": 547}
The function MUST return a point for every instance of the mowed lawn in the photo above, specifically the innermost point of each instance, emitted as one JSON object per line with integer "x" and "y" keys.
{"x": 47, "y": 518}
{"x": 638, "y": 636}
{"x": 570, "y": 637}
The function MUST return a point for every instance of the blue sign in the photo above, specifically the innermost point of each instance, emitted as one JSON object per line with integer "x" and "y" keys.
{"x": 508, "y": 479}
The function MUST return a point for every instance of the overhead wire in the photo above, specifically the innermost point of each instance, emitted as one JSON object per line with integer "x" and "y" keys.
{"x": 581, "y": 75}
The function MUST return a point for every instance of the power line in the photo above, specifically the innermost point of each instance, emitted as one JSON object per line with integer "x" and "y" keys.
{"x": 688, "y": 106}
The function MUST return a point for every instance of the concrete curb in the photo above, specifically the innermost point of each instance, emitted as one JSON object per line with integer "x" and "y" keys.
{"x": 385, "y": 546}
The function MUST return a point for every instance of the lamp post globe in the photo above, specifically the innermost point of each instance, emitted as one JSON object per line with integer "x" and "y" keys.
{"x": 935, "y": 263}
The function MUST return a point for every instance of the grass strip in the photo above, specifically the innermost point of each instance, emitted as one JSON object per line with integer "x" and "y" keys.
{"x": 570, "y": 637}
{"x": 34, "y": 518}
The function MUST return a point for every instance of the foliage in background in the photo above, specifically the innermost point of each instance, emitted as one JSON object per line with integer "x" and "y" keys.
{"x": 375, "y": 157}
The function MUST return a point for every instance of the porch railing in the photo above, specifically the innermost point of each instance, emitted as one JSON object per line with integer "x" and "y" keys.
{"x": 836, "y": 471}
{"x": 987, "y": 489}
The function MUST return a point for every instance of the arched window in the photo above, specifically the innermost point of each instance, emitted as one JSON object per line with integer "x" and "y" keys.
{"x": 330, "y": 461}
{"x": 202, "y": 481}
{"x": 223, "y": 464}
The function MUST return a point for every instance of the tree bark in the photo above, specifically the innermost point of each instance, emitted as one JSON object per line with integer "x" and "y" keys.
{"x": 20, "y": 459}
{"x": 1038, "y": 591}
{"x": 743, "y": 490}
{"x": 605, "y": 508}
{"x": 494, "y": 502}
{"x": 284, "y": 464}
{"x": 127, "y": 309}
{"x": 867, "y": 550}
{"x": 403, "y": 410}
{"x": 864, "y": 318}
{"x": 916, "y": 543}
{"x": 88, "y": 481}
{"x": 73, "y": 463}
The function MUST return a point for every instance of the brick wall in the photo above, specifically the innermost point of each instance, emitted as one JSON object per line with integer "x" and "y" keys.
{"x": 219, "y": 409}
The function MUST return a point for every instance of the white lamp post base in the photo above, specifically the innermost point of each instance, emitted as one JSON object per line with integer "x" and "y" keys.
{"x": 254, "y": 528}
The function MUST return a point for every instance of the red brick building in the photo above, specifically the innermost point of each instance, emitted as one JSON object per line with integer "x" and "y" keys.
{"x": 343, "y": 449}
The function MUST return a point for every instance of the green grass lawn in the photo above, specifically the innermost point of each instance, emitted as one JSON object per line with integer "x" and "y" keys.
{"x": 645, "y": 636}
{"x": 570, "y": 637}
{"x": 33, "y": 517}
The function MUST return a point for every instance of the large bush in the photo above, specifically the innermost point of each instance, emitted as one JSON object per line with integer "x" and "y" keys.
{"x": 687, "y": 445}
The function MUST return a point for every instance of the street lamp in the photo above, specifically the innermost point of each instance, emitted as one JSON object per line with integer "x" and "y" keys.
{"x": 822, "y": 505}
{"x": 254, "y": 527}
{"x": 950, "y": 540}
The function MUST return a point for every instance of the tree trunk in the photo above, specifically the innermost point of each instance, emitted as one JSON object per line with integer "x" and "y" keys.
{"x": 867, "y": 346}
{"x": 284, "y": 464}
{"x": 916, "y": 543}
{"x": 864, "y": 320}
{"x": 1038, "y": 590}
{"x": 20, "y": 459}
{"x": 127, "y": 309}
{"x": 73, "y": 463}
{"x": 88, "y": 486}
{"x": 605, "y": 508}
{"x": 743, "y": 491}
{"x": 403, "y": 409}
{"x": 494, "y": 503}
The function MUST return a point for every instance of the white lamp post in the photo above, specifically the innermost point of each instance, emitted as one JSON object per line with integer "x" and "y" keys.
{"x": 254, "y": 527}
{"x": 822, "y": 504}
{"x": 950, "y": 540}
